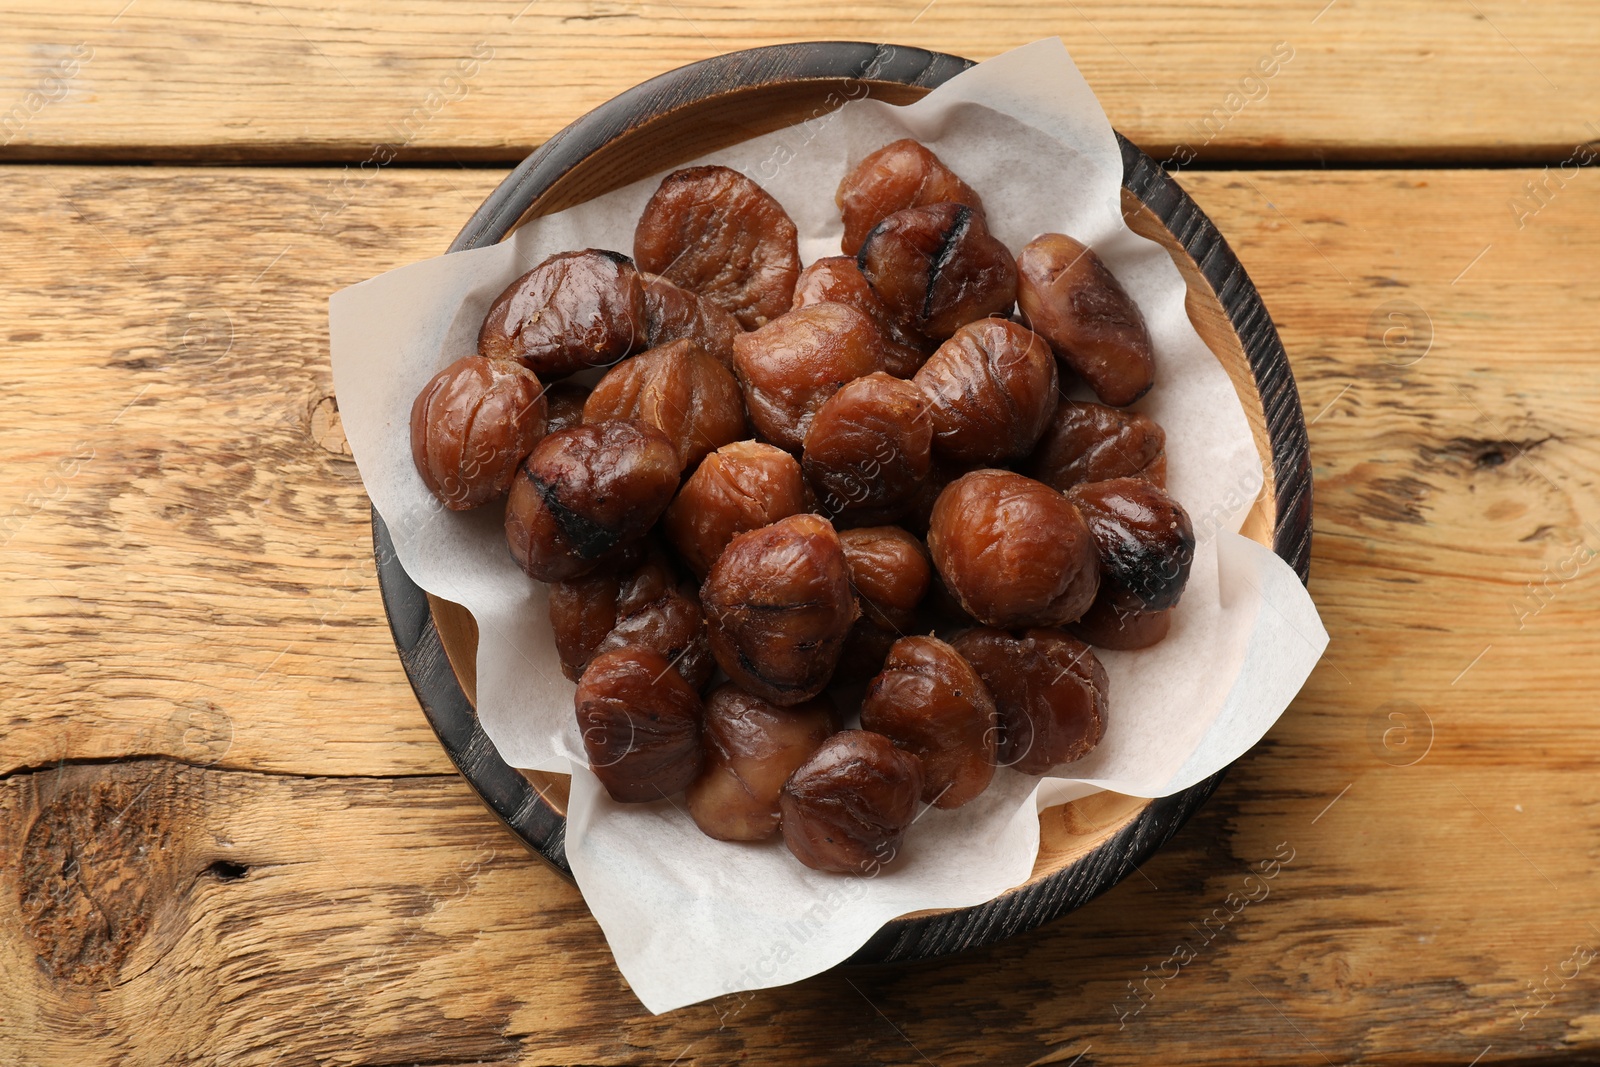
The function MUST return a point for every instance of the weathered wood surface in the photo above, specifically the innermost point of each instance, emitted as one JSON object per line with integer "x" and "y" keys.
{"x": 435, "y": 80}
{"x": 289, "y": 873}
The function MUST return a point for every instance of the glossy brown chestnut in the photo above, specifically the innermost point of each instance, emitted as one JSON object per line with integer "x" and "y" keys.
{"x": 847, "y": 808}
{"x": 640, "y": 723}
{"x": 751, "y": 748}
{"x": 471, "y": 425}
{"x": 672, "y": 313}
{"x": 574, "y": 310}
{"x": 795, "y": 362}
{"x": 586, "y": 491}
{"x": 1013, "y": 551}
{"x": 680, "y": 391}
{"x": 653, "y": 607}
{"x": 991, "y": 390}
{"x": 1144, "y": 539}
{"x": 937, "y": 268}
{"x": 1088, "y": 442}
{"x": 1071, "y": 299}
{"x": 1105, "y": 625}
{"x": 739, "y": 487}
{"x": 928, "y": 700}
{"x": 718, "y": 234}
{"x": 778, "y": 604}
{"x": 890, "y": 572}
{"x": 897, "y": 176}
{"x": 1049, "y": 690}
{"x": 837, "y": 280}
{"x": 868, "y": 450}
{"x": 566, "y": 400}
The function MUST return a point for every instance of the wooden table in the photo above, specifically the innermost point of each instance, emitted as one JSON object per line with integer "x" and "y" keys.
{"x": 226, "y": 832}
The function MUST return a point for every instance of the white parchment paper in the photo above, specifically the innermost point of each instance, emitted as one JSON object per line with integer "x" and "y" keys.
{"x": 687, "y": 917}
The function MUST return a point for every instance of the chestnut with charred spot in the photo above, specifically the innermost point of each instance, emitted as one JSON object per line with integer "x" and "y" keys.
{"x": 937, "y": 268}
{"x": 778, "y": 604}
{"x": 1144, "y": 540}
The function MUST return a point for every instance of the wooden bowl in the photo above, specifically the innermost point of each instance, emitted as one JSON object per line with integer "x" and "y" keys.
{"x": 1086, "y": 846}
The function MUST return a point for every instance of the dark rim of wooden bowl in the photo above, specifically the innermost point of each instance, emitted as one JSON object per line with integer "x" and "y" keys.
{"x": 515, "y": 801}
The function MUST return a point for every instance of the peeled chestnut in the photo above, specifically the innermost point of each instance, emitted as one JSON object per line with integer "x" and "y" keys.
{"x": 795, "y": 362}
{"x": 574, "y": 310}
{"x": 585, "y": 491}
{"x": 751, "y": 748}
{"x": 928, "y": 700}
{"x": 739, "y": 487}
{"x": 867, "y": 450}
{"x": 652, "y": 607}
{"x": 937, "y": 268}
{"x": 673, "y": 313}
{"x": 718, "y": 234}
{"x": 991, "y": 391}
{"x": 1144, "y": 539}
{"x": 1105, "y": 625}
{"x": 1088, "y": 442}
{"x": 890, "y": 572}
{"x": 1013, "y": 551}
{"x": 847, "y": 807}
{"x": 1049, "y": 690}
{"x": 471, "y": 425}
{"x": 566, "y": 400}
{"x": 1071, "y": 299}
{"x": 680, "y": 391}
{"x": 640, "y": 723}
{"x": 837, "y": 280}
{"x": 897, "y": 176}
{"x": 778, "y": 605}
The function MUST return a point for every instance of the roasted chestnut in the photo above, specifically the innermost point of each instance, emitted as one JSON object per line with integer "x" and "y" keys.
{"x": 1071, "y": 299}
{"x": 739, "y": 487}
{"x": 1105, "y": 625}
{"x": 897, "y": 176}
{"x": 718, "y": 234}
{"x": 640, "y": 723}
{"x": 847, "y": 807}
{"x": 673, "y": 313}
{"x": 1013, "y": 551}
{"x": 937, "y": 268}
{"x": 574, "y": 310}
{"x": 1088, "y": 442}
{"x": 867, "y": 450}
{"x": 991, "y": 391}
{"x": 890, "y": 572}
{"x": 471, "y": 425}
{"x": 1049, "y": 690}
{"x": 1144, "y": 539}
{"x": 586, "y": 491}
{"x": 566, "y": 400}
{"x": 795, "y": 362}
{"x": 680, "y": 391}
{"x": 837, "y": 280}
{"x": 652, "y": 607}
{"x": 928, "y": 700}
{"x": 751, "y": 748}
{"x": 778, "y": 605}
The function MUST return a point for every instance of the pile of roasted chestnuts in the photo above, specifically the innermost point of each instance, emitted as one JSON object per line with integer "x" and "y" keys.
{"x": 799, "y": 480}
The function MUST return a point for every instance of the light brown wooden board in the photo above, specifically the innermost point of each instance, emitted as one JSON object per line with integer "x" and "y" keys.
{"x": 146, "y": 599}
{"x": 437, "y": 80}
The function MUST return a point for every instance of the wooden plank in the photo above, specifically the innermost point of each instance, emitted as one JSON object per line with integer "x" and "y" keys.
{"x": 198, "y": 588}
{"x": 430, "y": 80}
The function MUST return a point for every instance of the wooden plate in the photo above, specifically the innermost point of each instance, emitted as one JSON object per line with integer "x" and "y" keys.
{"x": 1086, "y": 846}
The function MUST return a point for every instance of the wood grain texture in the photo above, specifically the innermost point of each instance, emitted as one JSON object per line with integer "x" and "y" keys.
{"x": 435, "y": 80}
{"x": 301, "y": 900}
